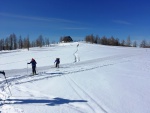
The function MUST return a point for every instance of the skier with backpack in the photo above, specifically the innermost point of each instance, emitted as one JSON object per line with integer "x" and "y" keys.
{"x": 57, "y": 61}
{"x": 33, "y": 63}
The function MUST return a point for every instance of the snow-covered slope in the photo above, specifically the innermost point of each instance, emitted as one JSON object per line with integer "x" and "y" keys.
{"x": 107, "y": 79}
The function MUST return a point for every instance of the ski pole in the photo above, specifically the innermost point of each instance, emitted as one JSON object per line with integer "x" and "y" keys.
{"x": 27, "y": 68}
{"x": 7, "y": 85}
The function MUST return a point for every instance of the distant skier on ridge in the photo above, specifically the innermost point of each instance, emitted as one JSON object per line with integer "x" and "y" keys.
{"x": 33, "y": 62}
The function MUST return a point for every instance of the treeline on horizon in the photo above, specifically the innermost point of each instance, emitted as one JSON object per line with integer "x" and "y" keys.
{"x": 13, "y": 42}
{"x": 115, "y": 41}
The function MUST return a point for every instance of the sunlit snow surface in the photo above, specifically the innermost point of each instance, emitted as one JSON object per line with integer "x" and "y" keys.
{"x": 106, "y": 79}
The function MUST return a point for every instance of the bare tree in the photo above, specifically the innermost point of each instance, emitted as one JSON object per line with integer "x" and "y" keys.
{"x": 26, "y": 42}
{"x": 11, "y": 41}
{"x": 128, "y": 42}
{"x": 39, "y": 41}
{"x": 143, "y": 44}
{"x": 122, "y": 43}
{"x": 2, "y": 47}
{"x": 96, "y": 39}
{"x": 20, "y": 43}
{"x": 111, "y": 41}
{"x": 15, "y": 41}
{"x": 134, "y": 44}
{"x": 104, "y": 40}
{"x": 47, "y": 42}
{"x": 7, "y": 44}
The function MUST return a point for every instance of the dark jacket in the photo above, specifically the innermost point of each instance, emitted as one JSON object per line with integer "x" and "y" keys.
{"x": 2, "y": 72}
{"x": 33, "y": 62}
{"x": 57, "y": 61}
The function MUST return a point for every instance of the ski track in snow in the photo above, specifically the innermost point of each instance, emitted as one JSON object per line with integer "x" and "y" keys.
{"x": 79, "y": 94}
{"x": 46, "y": 73}
{"x": 76, "y": 88}
{"x": 71, "y": 68}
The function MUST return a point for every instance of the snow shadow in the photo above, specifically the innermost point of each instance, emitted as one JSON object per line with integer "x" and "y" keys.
{"x": 53, "y": 102}
{"x": 42, "y": 77}
{"x": 55, "y": 73}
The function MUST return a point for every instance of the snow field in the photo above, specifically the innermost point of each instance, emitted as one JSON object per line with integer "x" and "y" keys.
{"x": 106, "y": 80}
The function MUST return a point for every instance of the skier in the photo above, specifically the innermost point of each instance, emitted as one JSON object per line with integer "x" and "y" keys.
{"x": 2, "y": 72}
{"x": 33, "y": 62}
{"x": 57, "y": 61}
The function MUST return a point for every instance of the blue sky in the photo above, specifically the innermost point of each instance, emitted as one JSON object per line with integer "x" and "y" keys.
{"x": 76, "y": 18}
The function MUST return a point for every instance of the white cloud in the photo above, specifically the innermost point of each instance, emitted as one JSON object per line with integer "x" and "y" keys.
{"x": 38, "y": 18}
{"x": 75, "y": 28}
{"x": 121, "y": 22}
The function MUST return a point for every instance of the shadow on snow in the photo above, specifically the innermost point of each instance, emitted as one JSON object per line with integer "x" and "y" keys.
{"x": 53, "y": 102}
{"x": 42, "y": 77}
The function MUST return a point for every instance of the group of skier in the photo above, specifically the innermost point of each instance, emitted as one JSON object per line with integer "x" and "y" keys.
{"x": 33, "y": 63}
